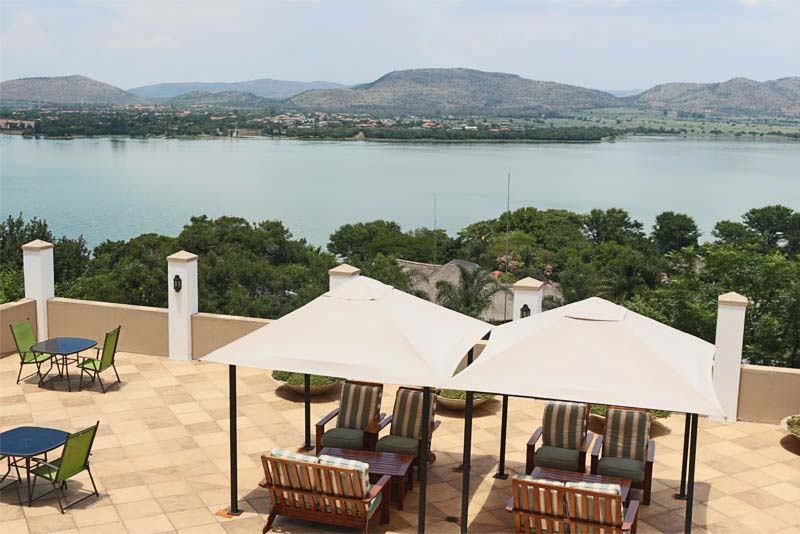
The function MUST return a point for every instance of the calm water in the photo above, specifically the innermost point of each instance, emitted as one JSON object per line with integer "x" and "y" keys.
{"x": 115, "y": 189}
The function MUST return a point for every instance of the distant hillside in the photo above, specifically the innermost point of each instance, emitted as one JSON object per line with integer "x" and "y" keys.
{"x": 442, "y": 91}
{"x": 231, "y": 99}
{"x": 738, "y": 96}
{"x": 64, "y": 90}
{"x": 264, "y": 87}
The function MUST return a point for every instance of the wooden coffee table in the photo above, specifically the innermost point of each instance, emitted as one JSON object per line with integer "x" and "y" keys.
{"x": 381, "y": 463}
{"x": 558, "y": 475}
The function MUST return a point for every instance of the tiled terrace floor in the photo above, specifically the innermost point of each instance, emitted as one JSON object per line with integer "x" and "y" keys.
{"x": 161, "y": 458}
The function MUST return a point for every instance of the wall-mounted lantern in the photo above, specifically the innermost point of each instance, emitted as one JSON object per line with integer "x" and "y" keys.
{"x": 525, "y": 311}
{"x": 177, "y": 283}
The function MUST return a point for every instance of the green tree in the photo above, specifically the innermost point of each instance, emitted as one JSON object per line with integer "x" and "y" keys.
{"x": 613, "y": 224}
{"x": 772, "y": 223}
{"x": 674, "y": 231}
{"x": 471, "y": 295}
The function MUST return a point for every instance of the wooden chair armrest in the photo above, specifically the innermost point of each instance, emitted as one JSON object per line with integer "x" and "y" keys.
{"x": 385, "y": 422}
{"x": 325, "y": 420}
{"x": 598, "y": 446}
{"x": 263, "y": 483}
{"x": 630, "y": 516}
{"x": 374, "y": 426}
{"x": 535, "y": 436}
{"x": 510, "y": 505}
{"x": 587, "y": 442}
{"x": 651, "y": 451}
{"x": 378, "y": 487}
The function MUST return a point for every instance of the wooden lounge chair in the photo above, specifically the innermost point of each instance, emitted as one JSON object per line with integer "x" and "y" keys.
{"x": 405, "y": 433}
{"x": 548, "y": 507}
{"x": 627, "y": 451}
{"x": 326, "y": 490}
{"x": 565, "y": 438}
{"x": 357, "y": 418}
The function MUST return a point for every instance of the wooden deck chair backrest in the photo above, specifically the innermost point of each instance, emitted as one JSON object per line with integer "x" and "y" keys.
{"x": 594, "y": 508}
{"x": 538, "y": 505}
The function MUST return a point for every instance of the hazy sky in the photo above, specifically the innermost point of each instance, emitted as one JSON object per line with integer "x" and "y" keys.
{"x": 608, "y": 44}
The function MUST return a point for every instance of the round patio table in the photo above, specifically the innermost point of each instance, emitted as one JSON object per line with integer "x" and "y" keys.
{"x": 63, "y": 347}
{"x": 28, "y": 441}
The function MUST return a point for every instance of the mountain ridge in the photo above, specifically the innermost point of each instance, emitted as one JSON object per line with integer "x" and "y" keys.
{"x": 72, "y": 89}
{"x": 263, "y": 87}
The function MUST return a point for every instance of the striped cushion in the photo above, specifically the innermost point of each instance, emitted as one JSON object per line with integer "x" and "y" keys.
{"x": 295, "y": 478}
{"x": 359, "y": 480}
{"x": 359, "y": 405}
{"x": 564, "y": 425}
{"x": 282, "y": 453}
{"x": 537, "y": 496}
{"x": 576, "y": 508}
{"x": 626, "y": 434}
{"x": 406, "y": 418}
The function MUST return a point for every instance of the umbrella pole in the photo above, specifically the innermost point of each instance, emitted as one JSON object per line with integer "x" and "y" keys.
{"x": 422, "y": 463}
{"x": 469, "y": 362}
{"x": 501, "y": 469}
{"x": 307, "y": 401}
{"x": 681, "y": 495}
{"x": 466, "y": 469}
{"x": 690, "y": 491}
{"x": 234, "y": 509}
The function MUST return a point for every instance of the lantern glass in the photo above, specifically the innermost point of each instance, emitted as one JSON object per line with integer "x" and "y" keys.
{"x": 525, "y": 311}
{"x": 177, "y": 283}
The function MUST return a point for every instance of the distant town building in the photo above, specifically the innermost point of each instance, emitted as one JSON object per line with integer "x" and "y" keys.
{"x": 16, "y": 124}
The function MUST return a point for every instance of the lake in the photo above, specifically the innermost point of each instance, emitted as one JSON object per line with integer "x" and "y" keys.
{"x": 119, "y": 188}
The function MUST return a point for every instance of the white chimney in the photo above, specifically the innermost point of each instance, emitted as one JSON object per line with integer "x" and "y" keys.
{"x": 341, "y": 274}
{"x": 528, "y": 294}
{"x": 38, "y": 271}
{"x": 728, "y": 360}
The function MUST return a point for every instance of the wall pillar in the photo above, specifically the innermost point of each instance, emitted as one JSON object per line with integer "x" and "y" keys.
{"x": 528, "y": 295}
{"x": 39, "y": 273}
{"x": 728, "y": 359}
{"x": 341, "y": 274}
{"x": 182, "y": 304}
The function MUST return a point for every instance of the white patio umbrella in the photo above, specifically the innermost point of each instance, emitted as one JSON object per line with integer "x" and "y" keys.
{"x": 363, "y": 330}
{"x": 595, "y": 351}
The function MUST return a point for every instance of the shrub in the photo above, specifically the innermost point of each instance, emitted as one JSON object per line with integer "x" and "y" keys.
{"x": 794, "y": 425}
{"x": 297, "y": 379}
{"x": 457, "y": 394}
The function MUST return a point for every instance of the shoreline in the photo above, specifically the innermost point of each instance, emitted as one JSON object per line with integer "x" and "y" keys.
{"x": 751, "y": 138}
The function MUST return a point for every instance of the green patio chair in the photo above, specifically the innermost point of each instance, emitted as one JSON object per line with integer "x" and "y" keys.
{"x": 24, "y": 339}
{"x": 94, "y": 366}
{"x": 74, "y": 459}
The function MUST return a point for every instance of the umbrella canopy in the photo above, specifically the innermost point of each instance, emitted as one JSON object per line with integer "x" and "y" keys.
{"x": 597, "y": 352}
{"x": 362, "y": 330}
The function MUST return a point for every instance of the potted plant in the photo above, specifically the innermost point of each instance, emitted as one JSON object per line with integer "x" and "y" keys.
{"x": 296, "y": 382}
{"x": 791, "y": 424}
{"x": 455, "y": 400}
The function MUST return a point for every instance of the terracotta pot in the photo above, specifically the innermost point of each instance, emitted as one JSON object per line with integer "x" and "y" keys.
{"x": 315, "y": 389}
{"x": 458, "y": 405}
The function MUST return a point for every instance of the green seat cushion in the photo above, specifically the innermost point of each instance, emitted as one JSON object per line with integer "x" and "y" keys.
{"x": 556, "y": 458}
{"x": 34, "y": 357}
{"x": 398, "y": 445}
{"x": 622, "y": 468}
{"x": 90, "y": 364}
{"x": 343, "y": 438}
{"x": 46, "y": 471}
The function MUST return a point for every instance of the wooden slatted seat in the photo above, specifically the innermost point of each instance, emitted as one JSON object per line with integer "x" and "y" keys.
{"x": 335, "y": 493}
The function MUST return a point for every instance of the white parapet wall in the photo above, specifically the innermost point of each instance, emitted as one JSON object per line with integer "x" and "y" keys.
{"x": 728, "y": 359}
{"x": 182, "y": 301}
{"x": 38, "y": 270}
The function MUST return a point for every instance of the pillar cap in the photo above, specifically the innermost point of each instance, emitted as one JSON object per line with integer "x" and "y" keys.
{"x": 732, "y": 299}
{"x": 182, "y": 257}
{"x": 37, "y": 244}
{"x": 528, "y": 283}
{"x": 344, "y": 270}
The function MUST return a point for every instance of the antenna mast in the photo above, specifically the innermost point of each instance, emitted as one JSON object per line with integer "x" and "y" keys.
{"x": 434, "y": 228}
{"x": 508, "y": 228}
